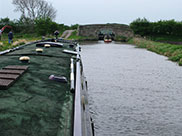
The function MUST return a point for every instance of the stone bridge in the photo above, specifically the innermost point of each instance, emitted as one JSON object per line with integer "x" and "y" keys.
{"x": 118, "y": 30}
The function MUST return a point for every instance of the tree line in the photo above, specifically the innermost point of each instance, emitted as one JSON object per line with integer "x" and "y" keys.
{"x": 144, "y": 27}
{"x": 37, "y": 17}
{"x": 40, "y": 26}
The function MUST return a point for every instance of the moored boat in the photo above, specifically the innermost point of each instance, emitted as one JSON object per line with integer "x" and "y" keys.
{"x": 43, "y": 93}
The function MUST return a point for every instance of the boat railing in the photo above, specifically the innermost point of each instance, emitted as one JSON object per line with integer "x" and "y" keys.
{"x": 77, "y": 127}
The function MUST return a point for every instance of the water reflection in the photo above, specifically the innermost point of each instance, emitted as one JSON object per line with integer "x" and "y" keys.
{"x": 132, "y": 91}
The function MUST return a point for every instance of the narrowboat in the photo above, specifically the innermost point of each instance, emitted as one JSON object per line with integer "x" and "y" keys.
{"x": 43, "y": 90}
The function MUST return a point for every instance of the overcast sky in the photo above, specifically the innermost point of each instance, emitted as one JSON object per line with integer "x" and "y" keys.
{"x": 105, "y": 11}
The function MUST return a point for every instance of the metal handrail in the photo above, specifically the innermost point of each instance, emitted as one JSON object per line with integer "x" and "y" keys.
{"x": 77, "y": 127}
{"x": 72, "y": 79}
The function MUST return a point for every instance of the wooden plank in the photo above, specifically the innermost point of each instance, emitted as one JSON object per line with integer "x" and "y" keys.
{"x": 16, "y": 67}
{"x": 5, "y": 83}
{"x": 17, "y": 72}
{"x": 9, "y": 76}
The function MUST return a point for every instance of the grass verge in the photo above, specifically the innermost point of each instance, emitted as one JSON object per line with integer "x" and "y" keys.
{"x": 19, "y": 39}
{"x": 165, "y": 38}
{"x": 81, "y": 38}
{"x": 173, "y": 52}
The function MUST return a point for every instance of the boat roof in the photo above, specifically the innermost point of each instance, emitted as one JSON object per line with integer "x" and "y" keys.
{"x": 33, "y": 104}
{"x": 57, "y": 44}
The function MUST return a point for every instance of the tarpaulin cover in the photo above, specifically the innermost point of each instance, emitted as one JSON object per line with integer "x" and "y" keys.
{"x": 35, "y": 105}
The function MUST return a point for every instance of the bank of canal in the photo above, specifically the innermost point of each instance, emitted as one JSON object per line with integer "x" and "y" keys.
{"x": 132, "y": 92}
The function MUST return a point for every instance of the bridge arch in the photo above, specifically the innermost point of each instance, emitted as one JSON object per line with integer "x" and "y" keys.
{"x": 105, "y": 32}
{"x": 95, "y": 29}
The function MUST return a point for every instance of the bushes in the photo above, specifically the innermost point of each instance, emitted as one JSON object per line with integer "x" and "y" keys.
{"x": 174, "y": 52}
{"x": 141, "y": 26}
{"x": 40, "y": 26}
{"x": 145, "y": 28}
{"x": 44, "y": 26}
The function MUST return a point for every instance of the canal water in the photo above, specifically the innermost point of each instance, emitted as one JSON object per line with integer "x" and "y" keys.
{"x": 132, "y": 92}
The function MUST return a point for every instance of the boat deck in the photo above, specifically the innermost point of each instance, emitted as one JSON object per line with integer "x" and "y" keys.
{"x": 34, "y": 105}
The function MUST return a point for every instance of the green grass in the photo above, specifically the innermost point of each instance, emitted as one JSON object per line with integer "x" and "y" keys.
{"x": 121, "y": 38}
{"x": 81, "y": 38}
{"x": 165, "y": 38}
{"x": 173, "y": 52}
{"x": 21, "y": 36}
{"x": 4, "y": 45}
{"x": 75, "y": 36}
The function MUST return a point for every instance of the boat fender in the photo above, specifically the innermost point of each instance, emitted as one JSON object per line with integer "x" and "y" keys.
{"x": 39, "y": 50}
{"x": 61, "y": 79}
{"x": 47, "y": 45}
{"x": 83, "y": 101}
{"x": 24, "y": 59}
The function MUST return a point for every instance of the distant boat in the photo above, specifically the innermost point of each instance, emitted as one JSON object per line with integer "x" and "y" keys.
{"x": 107, "y": 40}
